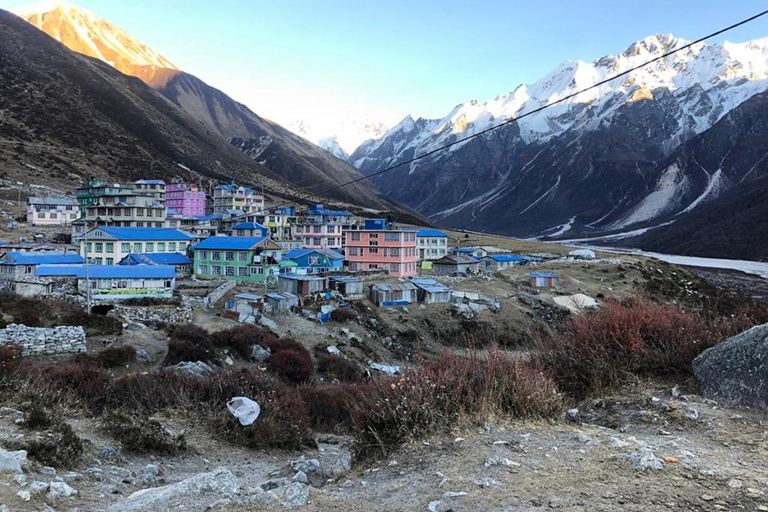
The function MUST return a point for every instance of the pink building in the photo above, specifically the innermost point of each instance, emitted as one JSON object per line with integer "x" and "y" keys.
{"x": 185, "y": 199}
{"x": 318, "y": 236}
{"x": 376, "y": 247}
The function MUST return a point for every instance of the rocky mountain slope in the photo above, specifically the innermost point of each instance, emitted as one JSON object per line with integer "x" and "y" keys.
{"x": 285, "y": 154}
{"x": 345, "y": 135}
{"x": 591, "y": 165}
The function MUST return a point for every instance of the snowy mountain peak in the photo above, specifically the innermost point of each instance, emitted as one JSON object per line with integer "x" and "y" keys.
{"x": 655, "y": 45}
{"x": 340, "y": 134}
{"x": 87, "y": 33}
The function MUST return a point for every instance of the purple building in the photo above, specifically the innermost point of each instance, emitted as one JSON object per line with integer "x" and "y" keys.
{"x": 185, "y": 199}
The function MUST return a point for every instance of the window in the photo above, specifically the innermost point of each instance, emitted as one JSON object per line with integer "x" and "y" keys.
{"x": 373, "y": 250}
{"x": 72, "y": 215}
{"x": 125, "y": 247}
{"x": 54, "y": 215}
{"x": 99, "y": 247}
{"x": 229, "y": 256}
{"x": 160, "y": 246}
{"x": 316, "y": 229}
{"x": 242, "y": 271}
{"x": 314, "y": 260}
{"x": 374, "y": 242}
{"x": 110, "y": 261}
{"x": 373, "y": 235}
{"x": 394, "y": 267}
{"x": 150, "y": 247}
{"x": 216, "y": 256}
{"x": 203, "y": 255}
{"x": 392, "y": 237}
{"x": 316, "y": 241}
{"x": 230, "y": 271}
{"x": 137, "y": 247}
{"x": 394, "y": 251}
{"x": 353, "y": 251}
{"x": 41, "y": 215}
{"x": 182, "y": 246}
{"x": 98, "y": 261}
{"x": 110, "y": 247}
{"x": 172, "y": 246}
{"x": 88, "y": 247}
{"x": 216, "y": 270}
{"x": 355, "y": 236}
{"x": 242, "y": 256}
{"x": 202, "y": 269}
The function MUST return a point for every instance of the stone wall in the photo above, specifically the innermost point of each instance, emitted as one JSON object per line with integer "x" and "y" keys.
{"x": 35, "y": 341}
{"x": 168, "y": 314}
{"x": 216, "y": 295}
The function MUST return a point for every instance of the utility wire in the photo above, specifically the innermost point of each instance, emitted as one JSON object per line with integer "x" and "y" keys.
{"x": 543, "y": 107}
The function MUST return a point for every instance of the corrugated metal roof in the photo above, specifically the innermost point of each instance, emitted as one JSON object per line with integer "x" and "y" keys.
{"x": 454, "y": 259}
{"x": 108, "y": 271}
{"x": 149, "y": 182}
{"x": 544, "y": 274}
{"x": 248, "y": 296}
{"x": 387, "y": 287}
{"x": 53, "y": 201}
{"x": 318, "y": 209}
{"x": 142, "y": 234}
{"x": 281, "y": 296}
{"x": 430, "y": 285}
{"x": 507, "y": 257}
{"x": 298, "y": 253}
{"x": 235, "y": 243}
{"x": 248, "y": 225}
{"x": 346, "y": 279}
{"x": 166, "y": 258}
{"x": 46, "y": 258}
{"x": 431, "y": 233}
{"x": 294, "y": 277}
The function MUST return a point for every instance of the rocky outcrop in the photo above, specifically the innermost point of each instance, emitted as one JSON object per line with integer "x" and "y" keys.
{"x": 736, "y": 370}
{"x": 35, "y": 341}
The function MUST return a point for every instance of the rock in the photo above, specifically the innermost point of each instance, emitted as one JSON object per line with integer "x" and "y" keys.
{"x": 136, "y": 326}
{"x": 197, "y": 369}
{"x": 47, "y": 471}
{"x": 486, "y": 482}
{"x": 385, "y": 368}
{"x": 12, "y": 462}
{"x": 676, "y": 391}
{"x": 333, "y": 350}
{"x": 219, "y": 504}
{"x": 300, "y": 477}
{"x": 149, "y": 473}
{"x": 572, "y": 414}
{"x": 499, "y": 461}
{"x": 271, "y": 484}
{"x": 735, "y": 483}
{"x": 229, "y": 361}
{"x": 260, "y": 354}
{"x": 58, "y": 490}
{"x": 692, "y": 414}
{"x": 312, "y": 469}
{"x": 266, "y": 322}
{"x": 219, "y": 481}
{"x": 24, "y": 495}
{"x": 617, "y": 442}
{"x": 583, "y": 438}
{"x": 143, "y": 357}
{"x": 734, "y": 371}
{"x": 707, "y": 497}
{"x": 38, "y": 487}
{"x": 110, "y": 453}
{"x": 293, "y": 495}
{"x": 644, "y": 459}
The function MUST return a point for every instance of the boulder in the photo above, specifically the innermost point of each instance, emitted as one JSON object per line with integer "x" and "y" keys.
{"x": 260, "y": 354}
{"x": 736, "y": 370}
{"x": 12, "y": 462}
{"x": 197, "y": 369}
{"x": 144, "y": 357}
{"x": 220, "y": 481}
{"x": 57, "y": 490}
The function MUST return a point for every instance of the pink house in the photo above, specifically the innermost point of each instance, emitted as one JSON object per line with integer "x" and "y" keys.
{"x": 185, "y": 199}
{"x": 376, "y": 247}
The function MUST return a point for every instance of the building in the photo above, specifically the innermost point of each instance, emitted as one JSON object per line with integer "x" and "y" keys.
{"x": 301, "y": 286}
{"x": 250, "y": 229}
{"x": 152, "y": 188}
{"x": 16, "y": 264}
{"x": 455, "y": 264}
{"x": 102, "y": 204}
{"x": 177, "y": 260}
{"x": 321, "y": 228}
{"x": 474, "y": 252}
{"x": 248, "y": 259}
{"x": 236, "y": 197}
{"x": 115, "y": 282}
{"x": 315, "y": 261}
{"x": 545, "y": 280}
{"x": 186, "y": 199}
{"x": 281, "y": 302}
{"x": 350, "y": 287}
{"x": 52, "y": 211}
{"x": 432, "y": 244}
{"x": 246, "y": 307}
{"x": 401, "y": 294}
{"x": 108, "y": 245}
{"x": 430, "y": 291}
{"x": 495, "y": 262}
{"x": 380, "y": 246}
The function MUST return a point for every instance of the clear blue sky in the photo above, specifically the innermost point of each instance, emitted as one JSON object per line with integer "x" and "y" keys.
{"x": 285, "y": 58}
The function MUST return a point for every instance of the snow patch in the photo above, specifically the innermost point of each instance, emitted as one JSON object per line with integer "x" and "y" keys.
{"x": 668, "y": 188}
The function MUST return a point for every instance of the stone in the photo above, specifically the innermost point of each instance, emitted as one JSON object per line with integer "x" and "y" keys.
{"x": 676, "y": 391}
{"x": 312, "y": 469}
{"x": 266, "y": 322}
{"x": 47, "y": 471}
{"x": 734, "y": 371}
{"x": 293, "y": 495}
{"x": 144, "y": 357}
{"x": 499, "y": 461}
{"x": 12, "y": 462}
{"x": 300, "y": 477}
{"x": 149, "y": 473}
{"x": 692, "y": 414}
{"x": 136, "y": 326}
{"x": 229, "y": 361}
{"x": 643, "y": 460}
{"x": 58, "y": 490}
{"x": 486, "y": 482}
{"x": 197, "y": 369}
{"x": 24, "y": 495}
{"x": 333, "y": 350}
{"x": 583, "y": 438}
{"x": 735, "y": 483}
{"x": 260, "y": 354}
{"x": 219, "y": 481}
{"x": 112, "y": 454}
{"x": 37, "y": 487}
{"x": 572, "y": 414}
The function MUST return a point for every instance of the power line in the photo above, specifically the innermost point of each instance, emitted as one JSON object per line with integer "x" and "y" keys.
{"x": 544, "y": 107}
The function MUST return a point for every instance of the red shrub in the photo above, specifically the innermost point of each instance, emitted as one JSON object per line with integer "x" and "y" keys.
{"x": 10, "y": 357}
{"x": 240, "y": 338}
{"x": 330, "y": 407}
{"x": 184, "y": 350}
{"x": 277, "y": 344}
{"x": 116, "y": 355}
{"x": 339, "y": 368}
{"x": 291, "y": 364}
{"x": 83, "y": 382}
{"x": 343, "y": 315}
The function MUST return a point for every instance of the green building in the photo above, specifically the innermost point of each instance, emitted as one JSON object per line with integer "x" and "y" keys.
{"x": 247, "y": 259}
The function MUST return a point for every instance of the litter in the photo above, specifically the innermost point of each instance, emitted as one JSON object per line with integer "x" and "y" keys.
{"x": 244, "y": 409}
{"x": 385, "y": 368}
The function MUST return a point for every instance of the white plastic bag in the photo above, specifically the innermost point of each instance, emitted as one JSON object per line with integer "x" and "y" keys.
{"x": 244, "y": 409}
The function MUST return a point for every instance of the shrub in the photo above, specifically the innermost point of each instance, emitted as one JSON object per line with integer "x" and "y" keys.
{"x": 598, "y": 350}
{"x": 330, "y": 407}
{"x": 116, "y": 355}
{"x": 240, "y": 339}
{"x": 140, "y": 434}
{"x": 343, "y": 315}
{"x": 37, "y": 417}
{"x": 339, "y": 368}
{"x": 83, "y": 382}
{"x": 60, "y": 447}
{"x": 94, "y": 325}
{"x": 186, "y": 350}
{"x": 277, "y": 344}
{"x": 10, "y": 357}
{"x": 189, "y": 332}
{"x": 293, "y": 365}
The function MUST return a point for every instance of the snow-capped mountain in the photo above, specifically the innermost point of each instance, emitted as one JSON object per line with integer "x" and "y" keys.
{"x": 85, "y": 32}
{"x": 342, "y": 135}
{"x": 590, "y": 163}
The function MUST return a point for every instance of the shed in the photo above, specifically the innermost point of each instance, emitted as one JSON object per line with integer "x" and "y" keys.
{"x": 431, "y": 292}
{"x": 302, "y": 285}
{"x": 282, "y": 301}
{"x": 400, "y": 294}
{"x": 495, "y": 262}
{"x": 455, "y": 264}
{"x": 249, "y": 306}
{"x": 351, "y": 287}
{"x": 545, "y": 280}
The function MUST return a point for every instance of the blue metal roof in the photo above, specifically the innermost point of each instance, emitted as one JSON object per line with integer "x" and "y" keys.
{"x": 507, "y": 257}
{"x": 208, "y": 218}
{"x": 234, "y": 243}
{"x": 248, "y": 225}
{"x": 46, "y": 258}
{"x": 54, "y": 201}
{"x": 318, "y": 209}
{"x": 465, "y": 249}
{"x": 155, "y": 258}
{"x": 142, "y": 234}
{"x": 431, "y": 233}
{"x": 294, "y": 277}
{"x": 430, "y": 285}
{"x": 108, "y": 271}
{"x": 346, "y": 279}
{"x": 294, "y": 254}
{"x": 233, "y": 187}
{"x": 149, "y": 182}
{"x": 544, "y": 274}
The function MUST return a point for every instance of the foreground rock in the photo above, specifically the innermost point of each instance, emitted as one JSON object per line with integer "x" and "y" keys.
{"x": 220, "y": 482}
{"x": 735, "y": 371}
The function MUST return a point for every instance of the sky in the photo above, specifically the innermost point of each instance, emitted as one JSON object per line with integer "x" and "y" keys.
{"x": 325, "y": 61}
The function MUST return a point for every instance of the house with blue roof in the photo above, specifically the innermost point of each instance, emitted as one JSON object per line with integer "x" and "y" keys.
{"x": 432, "y": 244}
{"x": 249, "y": 229}
{"x": 115, "y": 282}
{"x": 177, "y": 260}
{"x": 15, "y": 264}
{"x": 236, "y": 197}
{"x": 314, "y": 261}
{"x": 495, "y": 262}
{"x": 473, "y": 252}
{"x": 247, "y": 259}
{"x": 321, "y": 228}
{"x": 107, "y": 245}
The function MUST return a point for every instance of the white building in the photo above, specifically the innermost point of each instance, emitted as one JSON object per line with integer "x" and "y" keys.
{"x": 52, "y": 211}
{"x": 236, "y": 197}
{"x": 108, "y": 245}
{"x": 432, "y": 244}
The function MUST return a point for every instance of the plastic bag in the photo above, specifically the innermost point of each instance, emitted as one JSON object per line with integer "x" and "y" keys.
{"x": 244, "y": 409}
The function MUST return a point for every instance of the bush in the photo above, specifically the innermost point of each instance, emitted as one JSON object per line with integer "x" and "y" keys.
{"x": 343, "y": 315}
{"x": 59, "y": 448}
{"x": 85, "y": 383}
{"x": 293, "y": 365}
{"x": 140, "y": 434}
{"x": 189, "y": 332}
{"x": 277, "y": 344}
{"x": 116, "y": 355}
{"x": 37, "y": 417}
{"x": 596, "y": 351}
{"x": 240, "y": 339}
{"x": 330, "y": 407}
{"x": 339, "y": 368}
{"x": 10, "y": 357}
